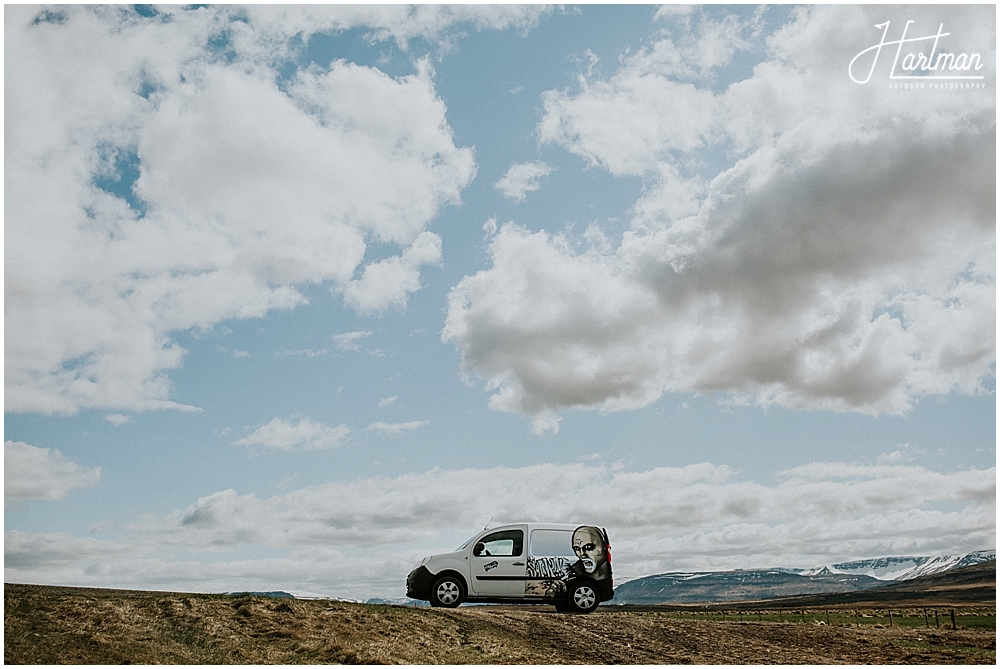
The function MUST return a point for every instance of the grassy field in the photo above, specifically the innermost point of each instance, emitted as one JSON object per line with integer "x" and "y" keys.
{"x": 969, "y": 618}
{"x": 51, "y": 625}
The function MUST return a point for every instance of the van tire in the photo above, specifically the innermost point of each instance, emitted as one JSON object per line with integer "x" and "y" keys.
{"x": 447, "y": 592}
{"x": 582, "y": 597}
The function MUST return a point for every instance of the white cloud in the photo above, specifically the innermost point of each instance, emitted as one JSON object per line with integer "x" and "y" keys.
{"x": 348, "y": 341}
{"x": 306, "y": 352}
{"x": 570, "y": 335}
{"x": 522, "y": 178}
{"x": 382, "y": 403}
{"x": 653, "y": 116}
{"x": 903, "y": 453}
{"x": 245, "y": 191}
{"x": 401, "y": 23}
{"x": 542, "y": 422}
{"x": 842, "y": 257}
{"x": 398, "y": 428}
{"x": 388, "y": 283}
{"x": 117, "y": 419}
{"x": 301, "y": 435}
{"x": 658, "y": 106}
{"x": 41, "y": 473}
{"x": 702, "y": 516}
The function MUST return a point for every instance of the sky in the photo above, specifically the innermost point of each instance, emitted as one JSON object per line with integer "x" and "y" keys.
{"x": 297, "y": 295}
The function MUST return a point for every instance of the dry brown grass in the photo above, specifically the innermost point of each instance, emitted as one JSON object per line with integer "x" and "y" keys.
{"x": 48, "y": 625}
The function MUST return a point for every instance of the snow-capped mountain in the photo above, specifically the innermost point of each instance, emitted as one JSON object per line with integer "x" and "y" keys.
{"x": 723, "y": 586}
{"x": 902, "y": 568}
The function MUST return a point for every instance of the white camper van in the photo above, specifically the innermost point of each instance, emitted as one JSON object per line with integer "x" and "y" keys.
{"x": 565, "y": 565}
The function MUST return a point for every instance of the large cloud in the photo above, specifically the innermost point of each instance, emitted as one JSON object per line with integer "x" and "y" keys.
{"x": 161, "y": 176}
{"x": 359, "y": 538}
{"x": 844, "y": 260}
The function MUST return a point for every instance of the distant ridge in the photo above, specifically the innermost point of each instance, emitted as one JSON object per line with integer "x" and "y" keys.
{"x": 396, "y": 601}
{"x": 730, "y": 586}
{"x": 276, "y": 594}
{"x": 966, "y": 585}
{"x": 743, "y": 585}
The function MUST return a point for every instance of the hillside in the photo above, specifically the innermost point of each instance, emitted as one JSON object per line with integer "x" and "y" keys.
{"x": 733, "y": 586}
{"x": 55, "y": 625}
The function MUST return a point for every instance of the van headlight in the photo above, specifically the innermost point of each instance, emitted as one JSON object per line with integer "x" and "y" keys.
{"x": 424, "y": 561}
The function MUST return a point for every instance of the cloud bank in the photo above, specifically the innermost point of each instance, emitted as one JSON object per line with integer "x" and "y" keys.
{"x": 702, "y": 516}
{"x": 843, "y": 258}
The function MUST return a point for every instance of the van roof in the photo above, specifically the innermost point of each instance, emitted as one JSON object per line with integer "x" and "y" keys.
{"x": 542, "y": 526}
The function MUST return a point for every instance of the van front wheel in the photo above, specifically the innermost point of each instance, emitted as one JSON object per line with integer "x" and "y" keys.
{"x": 582, "y": 598}
{"x": 448, "y": 592}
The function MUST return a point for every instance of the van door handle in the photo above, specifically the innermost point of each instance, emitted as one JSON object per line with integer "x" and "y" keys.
{"x": 518, "y": 564}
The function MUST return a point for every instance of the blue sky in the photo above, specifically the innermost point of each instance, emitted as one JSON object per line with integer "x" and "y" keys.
{"x": 295, "y": 295}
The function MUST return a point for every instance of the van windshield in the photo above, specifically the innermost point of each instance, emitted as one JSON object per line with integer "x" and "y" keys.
{"x": 466, "y": 544}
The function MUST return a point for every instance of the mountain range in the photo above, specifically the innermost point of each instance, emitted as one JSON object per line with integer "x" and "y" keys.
{"x": 742, "y": 585}
{"x": 902, "y": 568}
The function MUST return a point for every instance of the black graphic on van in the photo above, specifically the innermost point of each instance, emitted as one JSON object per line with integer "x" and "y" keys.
{"x": 548, "y": 567}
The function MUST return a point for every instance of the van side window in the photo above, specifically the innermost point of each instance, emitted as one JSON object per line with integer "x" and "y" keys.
{"x": 509, "y": 543}
{"x": 552, "y": 543}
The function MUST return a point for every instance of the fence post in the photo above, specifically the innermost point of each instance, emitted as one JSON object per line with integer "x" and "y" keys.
{"x": 927, "y": 623}
{"x": 890, "y": 617}
{"x": 937, "y": 623}
{"x": 954, "y": 626}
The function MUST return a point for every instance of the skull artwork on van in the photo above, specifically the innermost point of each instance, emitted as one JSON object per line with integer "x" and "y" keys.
{"x": 588, "y": 544}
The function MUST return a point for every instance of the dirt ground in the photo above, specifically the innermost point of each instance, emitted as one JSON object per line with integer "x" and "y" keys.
{"x": 47, "y": 625}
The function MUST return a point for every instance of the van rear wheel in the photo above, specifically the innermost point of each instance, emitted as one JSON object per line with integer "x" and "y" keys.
{"x": 582, "y": 598}
{"x": 448, "y": 592}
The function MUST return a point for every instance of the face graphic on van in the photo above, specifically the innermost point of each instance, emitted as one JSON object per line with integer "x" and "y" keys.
{"x": 588, "y": 544}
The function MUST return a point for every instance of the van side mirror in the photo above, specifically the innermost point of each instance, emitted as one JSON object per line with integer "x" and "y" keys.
{"x": 478, "y": 550}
